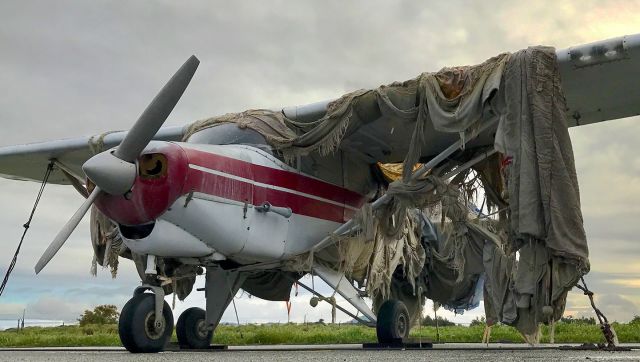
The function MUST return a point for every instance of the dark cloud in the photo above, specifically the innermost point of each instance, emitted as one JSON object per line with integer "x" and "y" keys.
{"x": 95, "y": 65}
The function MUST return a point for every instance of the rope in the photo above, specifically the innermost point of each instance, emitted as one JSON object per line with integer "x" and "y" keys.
{"x": 174, "y": 286}
{"x": 419, "y": 294}
{"x": 607, "y": 331}
{"x": 288, "y": 305}
{"x": 96, "y": 143}
{"x": 435, "y": 317}
{"x": 486, "y": 335}
{"x": 26, "y": 227}
{"x": 332, "y": 300}
{"x": 233, "y": 300}
{"x": 552, "y": 324}
{"x": 237, "y": 318}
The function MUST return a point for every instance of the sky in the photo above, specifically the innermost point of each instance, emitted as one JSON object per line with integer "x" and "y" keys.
{"x": 76, "y": 68}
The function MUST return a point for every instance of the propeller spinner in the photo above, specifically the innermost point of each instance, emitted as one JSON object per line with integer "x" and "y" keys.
{"x": 114, "y": 172}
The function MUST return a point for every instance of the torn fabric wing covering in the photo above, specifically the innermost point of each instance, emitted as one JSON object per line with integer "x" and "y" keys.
{"x": 424, "y": 242}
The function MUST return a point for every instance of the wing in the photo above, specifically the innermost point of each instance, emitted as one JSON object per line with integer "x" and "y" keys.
{"x": 600, "y": 81}
{"x": 28, "y": 162}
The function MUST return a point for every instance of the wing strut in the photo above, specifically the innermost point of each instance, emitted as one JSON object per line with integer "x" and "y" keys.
{"x": 341, "y": 285}
{"x": 338, "y": 307}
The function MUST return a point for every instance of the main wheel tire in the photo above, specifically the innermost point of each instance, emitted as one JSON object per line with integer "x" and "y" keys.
{"x": 136, "y": 325}
{"x": 191, "y": 331}
{"x": 393, "y": 322}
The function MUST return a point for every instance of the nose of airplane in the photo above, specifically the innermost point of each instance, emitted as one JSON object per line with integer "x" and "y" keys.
{"x": 152, "y": 186}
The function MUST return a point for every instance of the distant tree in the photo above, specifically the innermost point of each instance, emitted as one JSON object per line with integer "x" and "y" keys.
{"x": 635, "y": 320}
{"x": 431, "y": 322}
{"x": 582, "y": 320}
{"x": 102, "y": 314}
{"x": 478, "y": 321}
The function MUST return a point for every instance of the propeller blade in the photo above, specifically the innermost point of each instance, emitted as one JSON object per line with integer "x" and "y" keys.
{"x": 66, "y": 231}
{"x": 156, "y": 112}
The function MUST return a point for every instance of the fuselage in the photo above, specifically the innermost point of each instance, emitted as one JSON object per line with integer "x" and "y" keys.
{"x": 205, "y": 201}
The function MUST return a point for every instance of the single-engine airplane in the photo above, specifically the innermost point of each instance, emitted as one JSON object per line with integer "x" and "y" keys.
{"x": 223, "y": 201}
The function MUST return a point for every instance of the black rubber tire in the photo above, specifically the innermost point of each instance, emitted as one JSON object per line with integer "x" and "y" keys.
{"x": 393, "y": 323}
{"x": 187, "y": 331}
{"x": 132, "y": 325}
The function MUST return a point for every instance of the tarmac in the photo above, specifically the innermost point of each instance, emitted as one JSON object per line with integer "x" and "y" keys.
{"x": 341, "y": 352}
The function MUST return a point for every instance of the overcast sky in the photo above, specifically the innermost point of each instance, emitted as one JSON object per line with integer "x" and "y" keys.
{"x": 75, "y": 68}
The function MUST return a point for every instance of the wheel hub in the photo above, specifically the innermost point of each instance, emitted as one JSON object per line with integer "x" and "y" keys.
{"x": 201, "y": 329}
{"x": 402, "y": 325}
{"x": 153, "y": 328}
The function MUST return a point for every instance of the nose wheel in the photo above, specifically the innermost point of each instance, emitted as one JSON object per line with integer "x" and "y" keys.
{"x": 192, "y": 330}
{"x": 139, "y": 329}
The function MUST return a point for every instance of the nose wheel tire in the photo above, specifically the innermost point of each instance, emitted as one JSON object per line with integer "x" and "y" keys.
{"x": 137, "y": 327}
{"x": 393, "y": 323}
{"x": 191, "y": 329}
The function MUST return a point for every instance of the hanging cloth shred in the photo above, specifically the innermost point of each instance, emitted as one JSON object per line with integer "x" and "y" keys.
{"x": 26, "y": 227}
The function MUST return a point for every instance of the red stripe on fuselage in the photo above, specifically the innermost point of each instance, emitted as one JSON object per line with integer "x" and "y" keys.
{"x": 276, "y": 177}
{"x": 243, "y": 191}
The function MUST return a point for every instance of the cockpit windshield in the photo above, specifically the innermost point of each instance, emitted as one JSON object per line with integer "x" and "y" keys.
{"x": 230, "y": 134}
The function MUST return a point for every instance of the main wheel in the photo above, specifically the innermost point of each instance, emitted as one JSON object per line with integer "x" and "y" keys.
{"x": 191, "y": 329}
{"x": 137, "y": 329}
{"x": 393, "y": 322}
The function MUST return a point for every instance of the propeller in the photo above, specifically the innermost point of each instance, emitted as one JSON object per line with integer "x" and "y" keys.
{"x": 114, "y": 172}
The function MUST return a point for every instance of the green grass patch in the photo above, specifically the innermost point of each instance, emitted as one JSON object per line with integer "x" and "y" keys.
{"x": 63, "y": 336}
{"x": 253, "y": 334}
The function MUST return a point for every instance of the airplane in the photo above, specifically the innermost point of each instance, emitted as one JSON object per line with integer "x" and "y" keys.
{"x": 223, "y": 202}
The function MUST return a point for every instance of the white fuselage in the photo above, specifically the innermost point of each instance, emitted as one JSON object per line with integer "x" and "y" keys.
{"x": 218, "y": 213}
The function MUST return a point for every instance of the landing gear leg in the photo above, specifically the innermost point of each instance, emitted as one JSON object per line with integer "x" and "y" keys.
{"x": 393, "y": 323}
{"x": 195, "y": 326}
{"x": 146, "y": 321}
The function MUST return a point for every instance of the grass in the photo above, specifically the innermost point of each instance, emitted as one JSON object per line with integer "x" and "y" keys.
{"x": 107, "y": 335}
{"x": 98, "y": 335}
